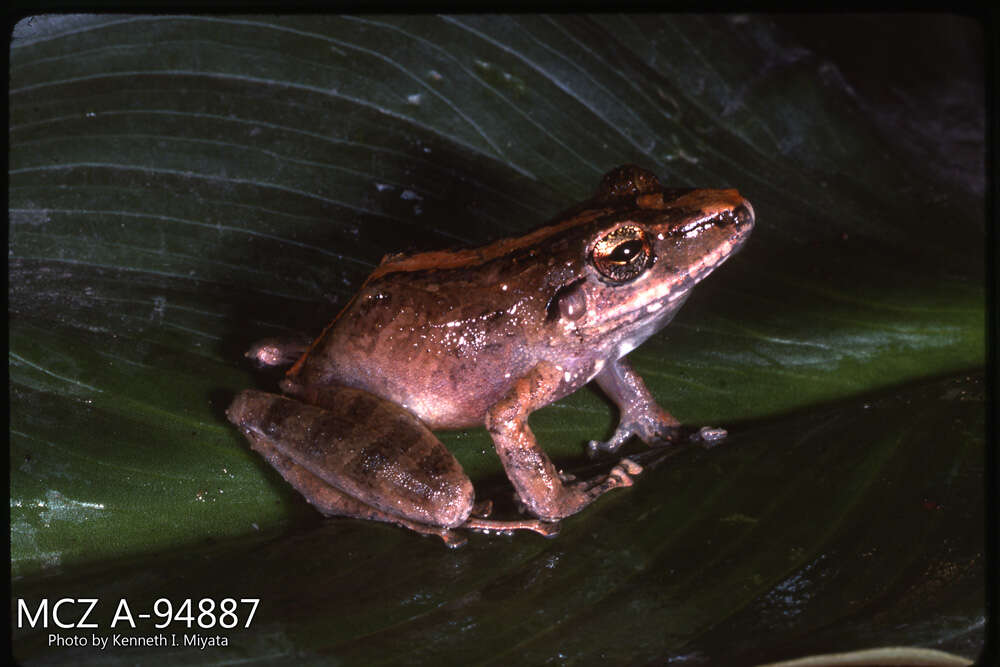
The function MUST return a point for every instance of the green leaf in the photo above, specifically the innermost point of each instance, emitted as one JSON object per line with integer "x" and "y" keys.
{"x": 180, "y": 187}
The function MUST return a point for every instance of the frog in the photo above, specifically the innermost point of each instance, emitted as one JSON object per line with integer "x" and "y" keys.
{"x": 485, "y": 336}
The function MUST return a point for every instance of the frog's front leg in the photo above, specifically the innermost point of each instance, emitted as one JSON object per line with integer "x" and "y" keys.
{"x": 536, "y": 480}
{"x": 640, "y": 415}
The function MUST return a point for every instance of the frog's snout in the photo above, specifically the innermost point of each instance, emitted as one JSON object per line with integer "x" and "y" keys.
{"x": 744, "y": 215}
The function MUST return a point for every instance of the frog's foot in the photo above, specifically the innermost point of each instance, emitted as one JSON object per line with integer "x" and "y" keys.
{"x": 619, "y": 476}
{"x": 652, "y": 429}
{"x": 490, "y": 527}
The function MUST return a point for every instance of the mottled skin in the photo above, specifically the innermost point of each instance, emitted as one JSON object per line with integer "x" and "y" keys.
{"x": 454, "y": 339}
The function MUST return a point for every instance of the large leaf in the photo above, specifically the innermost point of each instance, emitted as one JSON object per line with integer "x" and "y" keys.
{"x": 182, "y": 186}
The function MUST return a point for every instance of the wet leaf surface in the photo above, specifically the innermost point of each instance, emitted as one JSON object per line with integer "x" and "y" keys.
{"x": 182, "y": 186}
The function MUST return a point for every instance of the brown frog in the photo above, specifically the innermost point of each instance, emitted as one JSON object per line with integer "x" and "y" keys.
{"x": 459, "y": 338}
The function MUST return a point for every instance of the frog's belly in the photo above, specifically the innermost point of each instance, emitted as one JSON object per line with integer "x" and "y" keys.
{"x": 443, "y": 390}
{"x": 456, "y": 397}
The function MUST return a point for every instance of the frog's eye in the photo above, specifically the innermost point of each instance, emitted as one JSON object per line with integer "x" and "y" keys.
{"x": 622, "y": 254}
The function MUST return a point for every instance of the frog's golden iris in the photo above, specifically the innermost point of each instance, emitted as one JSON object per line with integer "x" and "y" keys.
{"x": 623, "y": 254}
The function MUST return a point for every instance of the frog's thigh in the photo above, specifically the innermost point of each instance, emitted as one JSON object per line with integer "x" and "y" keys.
{"x": 368, "y": 449}
{"x": 332, "y": 502}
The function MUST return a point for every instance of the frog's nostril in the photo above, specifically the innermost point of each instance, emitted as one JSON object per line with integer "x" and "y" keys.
{"x": 744, "y": 214}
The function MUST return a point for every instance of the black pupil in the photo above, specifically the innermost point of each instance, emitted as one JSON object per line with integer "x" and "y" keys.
{"x": 626, "y": 252}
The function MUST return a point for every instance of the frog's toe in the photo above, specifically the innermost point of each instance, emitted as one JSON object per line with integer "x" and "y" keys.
{"x": 276, "y": 352}
{"x": 548, "y": 529}
{"x": 597, "y": 448}
{"x": 490, "y": 527}
{"x": 452, "y": 540}
{"x": 709, "y": 436}
{"x": 482, "y": 509}
{"x": 620, "y": 477}
{"x": 630, "y": 466}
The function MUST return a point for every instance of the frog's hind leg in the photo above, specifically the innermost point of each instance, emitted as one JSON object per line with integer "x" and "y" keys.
{"x": 330, "y": 501}
{"x": 356, "y": 454}
{"x": 350, "y": 453}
